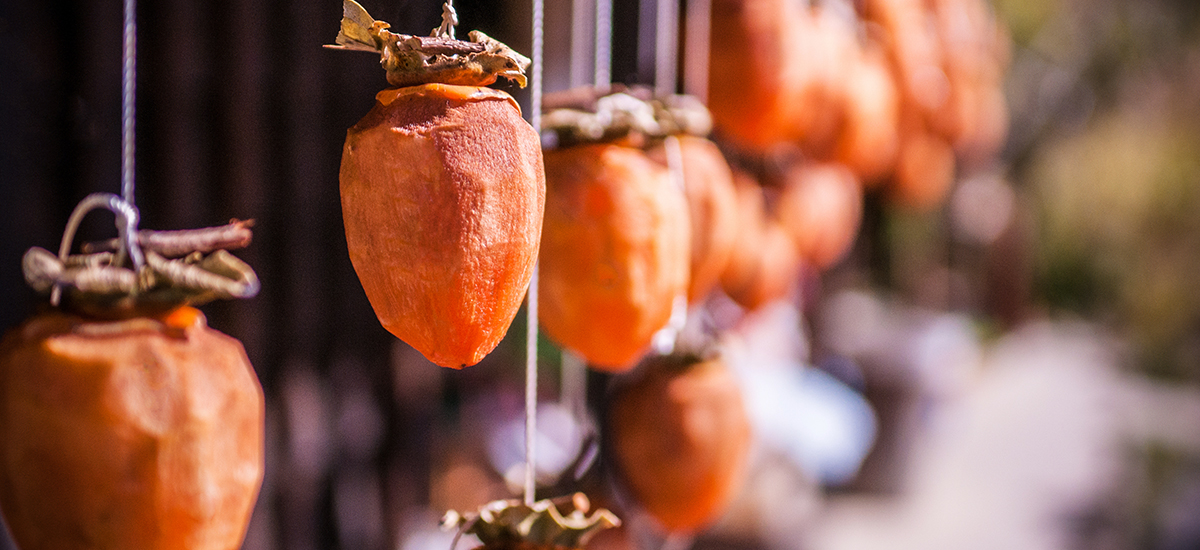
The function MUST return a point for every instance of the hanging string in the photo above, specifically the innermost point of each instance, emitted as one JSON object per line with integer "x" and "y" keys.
{"x": 696, "y": 45}
{"x": 603, "y": 61}
{"x": 128, "y": 83}
{"x": 666, "y": 47}
{"x": 531, "y": 329}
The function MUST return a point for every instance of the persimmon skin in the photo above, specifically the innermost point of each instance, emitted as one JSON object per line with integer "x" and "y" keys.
{"x": 708, "y": 186}
{"x": 821, "y": 209}
{"x": 870, "y": 139}
{"x": 680, "y": 438}
{"x": 757, "y": 71}
{"x": 138, "y": 433}
{"x": 442, "y": 197}
{"x": 924, "y": 172}
{"x": 765, "y": 265}
{"x": 616, "y": 251}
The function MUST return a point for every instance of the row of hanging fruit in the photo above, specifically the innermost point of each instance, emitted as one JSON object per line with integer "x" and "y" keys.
{"x": 127, "y": 423}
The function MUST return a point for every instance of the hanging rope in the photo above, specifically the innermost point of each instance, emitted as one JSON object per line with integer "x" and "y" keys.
{"x": 697, "y": 45}
{"x": 531, "y": 331}
{"x": 128, "y": 83}
{"x": 666, "y": 47}
{"x": 603, "y": 61}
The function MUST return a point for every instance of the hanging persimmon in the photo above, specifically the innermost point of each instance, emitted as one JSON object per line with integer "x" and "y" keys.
{"x": 765, "y": 264}
{"x": 680, "y": 439}
{"x": 616, "y": 252}
{"x": 442, "y": 190}
{"x": 870, "y": 136}
{"x": 925, "y": 171}
{"x": 820, "y": 206}
{"x": 708, "y": 186}
{"x": 756, "y": 71}
{"x": 125, "y": 421}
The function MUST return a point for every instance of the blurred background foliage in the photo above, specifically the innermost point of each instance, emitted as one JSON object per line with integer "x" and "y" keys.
{"x": 1106, "y": 149}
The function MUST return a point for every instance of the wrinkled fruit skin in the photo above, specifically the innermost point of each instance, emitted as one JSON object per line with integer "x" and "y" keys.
{"x": 128, "y": 434}
{"x": 442, "y": 196}
{"x": 681, "y": 441}
{"x": 708, "y": 185}
{"x": 616, "y": 250}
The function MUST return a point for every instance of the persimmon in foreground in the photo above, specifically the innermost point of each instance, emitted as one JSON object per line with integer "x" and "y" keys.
{"x": 125, "y": 421}
{"x": 442, "y": 190}
{"x": 137, "y": 433}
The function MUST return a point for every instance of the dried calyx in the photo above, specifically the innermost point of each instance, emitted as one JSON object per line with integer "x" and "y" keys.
{"x": 621, "y": 113}
{"x": 440, "y": 58}
{"x": 143, "y": 270}
{"x": 510, "y": 524}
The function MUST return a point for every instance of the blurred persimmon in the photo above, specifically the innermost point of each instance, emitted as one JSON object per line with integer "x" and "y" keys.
{"x": 765, "y": 264}
{"x": 924, "y": 171}
{"x": 680, "y": 438}
{"x": 708, "y": 185}
{"x": 821, "y": 209}
{"x": 870, "y": 135}
{"x": 755, "y": 70}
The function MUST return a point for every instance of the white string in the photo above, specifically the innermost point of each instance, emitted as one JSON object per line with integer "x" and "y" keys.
{"x": 128, "y": 83}
{"x": 582, "y": 42}
{"x": 535, "y": 105}
{"x": 603, "y": 62}
{"x": 666, "y": 41}
{"x": 696, "y": 49}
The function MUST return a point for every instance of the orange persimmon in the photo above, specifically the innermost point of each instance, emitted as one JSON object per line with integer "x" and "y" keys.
{"x": 924, "y": 171}
{"x": 615, "y": 252}
{"x": 821, "y": 208}
{"x": 442, "y": 196}
{"x": 680, "y": 438}
{"x": 755, "y": 70}
{"x": 708, "y": 185}
{"x": 144, "y": 432}
{"x": 765, "y": 264}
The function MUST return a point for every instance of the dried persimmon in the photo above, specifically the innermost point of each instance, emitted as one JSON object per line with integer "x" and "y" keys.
{"x": 125, "y": 421}
{"x": 442, "y": 191}
{"x": 615, "y": 252}
{"x": 680, "y": 439}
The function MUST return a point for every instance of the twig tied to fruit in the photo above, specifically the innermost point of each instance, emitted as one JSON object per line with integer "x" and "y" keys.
{"x": 142, "y": 270}
{"x": 440, "y": 58}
